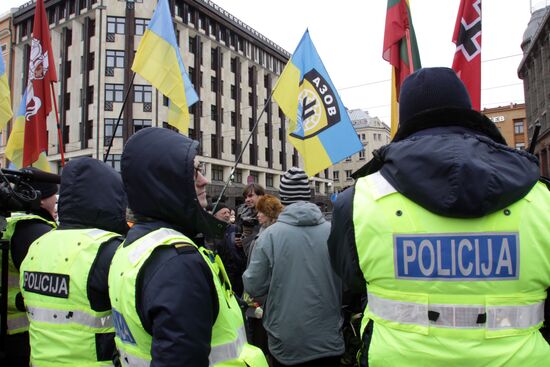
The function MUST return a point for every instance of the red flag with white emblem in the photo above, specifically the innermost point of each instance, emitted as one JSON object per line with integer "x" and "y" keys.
{"x": 467, "y": 59}
{"x": 39, "y": 100}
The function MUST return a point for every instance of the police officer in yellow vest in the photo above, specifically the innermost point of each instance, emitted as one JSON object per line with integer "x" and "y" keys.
{"x": 22, "y": 230}
{"x": 64, "y": 275}
{"x": 449, "y": 235}
{"x": 172, "y": 300}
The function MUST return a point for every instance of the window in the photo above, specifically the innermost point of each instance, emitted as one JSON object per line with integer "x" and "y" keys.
{"x": 518, "y": 126}
{"x": 213, "y": 83}
{"x": 362, "y": 155}
{"x": 233, "y": 91}
{"x": 213, "y": 112}
{"x": 238, "y": 176}
{"x": 233, "y": 64}
{"x": 520, "y": 146}
{"x": 114, "y": 161}
{"x": 115, "y": 59}
{"x": 143, "y": 93}
{"x": 115, "y": 25}
{"x": 255, "y": 176}
{"x": 348, "y": 159}
{"x": 213, "y": 57}
{"x": 192, "y": 45}
{"x": 233, "y": 119}
{"x": 217, "y": 173}
{"x": 108, "y": 129}
{"x": 348, "y": 175}
{"x": 141, "y": 25}
{"x": 114, "y": 92}
{"x": 269, "y": 180}
{"x": 336, "y": 175}
{"x": 141, "y": 124}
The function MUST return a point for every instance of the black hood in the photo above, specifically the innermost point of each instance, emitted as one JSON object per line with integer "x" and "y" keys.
{"x": 455, "y": 172}
{"x": 158, "y": 173}
{"x": 92, "y": 196}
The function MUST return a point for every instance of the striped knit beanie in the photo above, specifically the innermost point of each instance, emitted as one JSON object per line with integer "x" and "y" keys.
{"x": 294, "y": 186}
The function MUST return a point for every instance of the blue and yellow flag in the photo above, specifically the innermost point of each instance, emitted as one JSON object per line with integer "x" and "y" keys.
{"x": 320, "y": 128}
{"x": 16, "y": 142}
{"x": 5, "y": 100}
{"x": 158, "y": 60}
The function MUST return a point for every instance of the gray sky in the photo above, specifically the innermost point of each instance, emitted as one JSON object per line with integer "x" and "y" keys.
{"x": 348, "y": 35}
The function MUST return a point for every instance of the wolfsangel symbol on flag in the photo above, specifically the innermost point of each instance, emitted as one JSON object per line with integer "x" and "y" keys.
{"x": 320, "y": 128}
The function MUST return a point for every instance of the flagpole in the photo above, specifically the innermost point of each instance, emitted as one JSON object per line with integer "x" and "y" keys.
{"x": 409, "y": 50}
{"x": 59, "y": 135}
{"x": 238, "y": 159}
{"x": 119, "y": 117}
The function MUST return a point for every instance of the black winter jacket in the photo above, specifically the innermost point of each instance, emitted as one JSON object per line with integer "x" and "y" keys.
{"x": 451, "y": 171}
{"x": 175, "y": 297}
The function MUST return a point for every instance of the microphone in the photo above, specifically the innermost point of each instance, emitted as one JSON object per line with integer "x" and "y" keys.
{"x": 35, "y": 175}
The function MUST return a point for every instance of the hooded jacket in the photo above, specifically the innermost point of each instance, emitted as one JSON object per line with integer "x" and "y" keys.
{"x": 176, "y": 298}
{"x": 290, "y": 264}
{"x": 451, "y": 171}
{"x": 91, "y": 195}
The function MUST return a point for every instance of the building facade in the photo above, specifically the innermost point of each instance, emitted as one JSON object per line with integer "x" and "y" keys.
{"x": 511, "y": 122}
{"x": 6, "y": 36}
{"x": 373, "y": 133}
{"x": 233, "y": 68}
{"x": 534, "y": 69}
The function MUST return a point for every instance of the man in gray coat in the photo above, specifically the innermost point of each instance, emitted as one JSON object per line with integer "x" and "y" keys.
{"x": 290, "y": 265}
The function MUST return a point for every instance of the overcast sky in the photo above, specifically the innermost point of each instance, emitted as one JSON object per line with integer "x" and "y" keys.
{"x": 348, "y": 35}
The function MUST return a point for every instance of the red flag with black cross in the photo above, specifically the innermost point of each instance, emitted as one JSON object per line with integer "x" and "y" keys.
{"x": 467, "y": 59}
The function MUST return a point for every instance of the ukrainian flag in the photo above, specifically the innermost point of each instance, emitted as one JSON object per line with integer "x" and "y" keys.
{"x": 320, "y": 128}
{"x": 5, "y": 100}
{"x": 16, "y": 141}
{"x": 158, "y": 60}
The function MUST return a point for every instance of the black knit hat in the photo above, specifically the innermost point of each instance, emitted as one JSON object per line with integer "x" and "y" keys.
{"x": 294, "y": 186}
{"x": 46, "y": 189}
{"x": 432, "y": 97}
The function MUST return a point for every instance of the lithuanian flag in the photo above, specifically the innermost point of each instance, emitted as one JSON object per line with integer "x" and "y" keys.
{"x": 400, "y": 50}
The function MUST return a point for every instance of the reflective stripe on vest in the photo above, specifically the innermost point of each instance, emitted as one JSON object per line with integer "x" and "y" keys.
{"x": 52, "y": 316}
{"x": 133, "y": 361}
{"x": 218, "y": 353}
{"x": 383, "y": 187}
{"x": 457, "y": 316}
{"x": 228, "y": 351}
{"x": 159, "y": 236}
{"x": 18, "y": 322}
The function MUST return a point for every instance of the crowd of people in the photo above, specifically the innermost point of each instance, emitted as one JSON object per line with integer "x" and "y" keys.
{"x": 440, "y": 252}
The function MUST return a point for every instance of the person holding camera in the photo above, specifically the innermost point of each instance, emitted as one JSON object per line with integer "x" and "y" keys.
{"x": 233, "y": 257}
{"x": 247, "y": 221}
{"x": 22, "y": 229}
{"x": 64, "y": 275}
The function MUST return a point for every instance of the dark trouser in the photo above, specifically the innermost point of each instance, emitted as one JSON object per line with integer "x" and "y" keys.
{"x": 17, "y": 350}
{"x": 321, "y": 362}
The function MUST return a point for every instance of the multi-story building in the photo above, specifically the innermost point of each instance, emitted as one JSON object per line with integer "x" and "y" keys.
{"x": 373, "y": 133}
{"x": 534, "y": 69}
{"x": 511, "y": 122}
{"x": 232, "y": 66}
{"x": 6, "y": 36}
